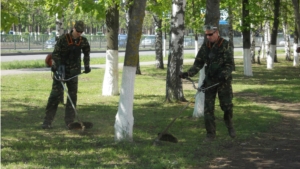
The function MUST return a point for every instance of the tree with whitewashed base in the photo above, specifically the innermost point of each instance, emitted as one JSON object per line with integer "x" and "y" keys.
{"x": 110, "y": 84}
{"x": 200, "y": 96}
{"x": 271, "y": 58}
{"x": 124, "y": 118}
{"x": 296, "y": 6}
{"x": 246, "y": 40}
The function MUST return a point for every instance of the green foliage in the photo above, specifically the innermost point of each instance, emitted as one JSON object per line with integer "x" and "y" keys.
{"x": 195, "y": 15}
{"x": 9, "y": 13}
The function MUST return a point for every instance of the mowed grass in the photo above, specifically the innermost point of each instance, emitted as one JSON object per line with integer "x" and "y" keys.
{"x": 25, "y": 145}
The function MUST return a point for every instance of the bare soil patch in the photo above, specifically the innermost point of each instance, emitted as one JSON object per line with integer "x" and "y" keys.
{"x": 279, "y": 148}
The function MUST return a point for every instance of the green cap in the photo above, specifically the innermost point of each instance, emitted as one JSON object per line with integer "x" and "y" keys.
{"x": 79, "y": 26}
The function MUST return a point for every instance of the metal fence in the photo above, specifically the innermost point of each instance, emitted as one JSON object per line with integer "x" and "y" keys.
{"x": 97, "y": 42}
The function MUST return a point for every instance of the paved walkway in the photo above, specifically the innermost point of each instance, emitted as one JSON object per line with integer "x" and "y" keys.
{"x": 42, "y": 70}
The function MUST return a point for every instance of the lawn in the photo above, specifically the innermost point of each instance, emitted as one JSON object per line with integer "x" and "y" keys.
{"x": 25, "y": 145}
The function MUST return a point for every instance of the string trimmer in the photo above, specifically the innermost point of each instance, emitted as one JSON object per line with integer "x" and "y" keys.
{"x": 164, "y": 136}
{"x": 79, "y": 125}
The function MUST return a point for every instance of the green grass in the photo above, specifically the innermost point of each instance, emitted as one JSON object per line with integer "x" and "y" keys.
{"x": 25, "y": 145}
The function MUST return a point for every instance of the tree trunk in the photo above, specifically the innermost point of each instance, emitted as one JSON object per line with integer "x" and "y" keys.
{"x": 124, "y": 118}
{"x": 297, "y": 14}
{"x": 110, "y": 82}
{"x": 246, "y": 40}
{"x": 200, "y": 97}
{"x": 296, "y": 41}
{"x": 274, "y": 34}
{"x": 196, "y": 43}
{"x": 252, "y": 50}
{"x": 267, "y": 38}
{"x": 158, "y": 43}
{"x": 59, "y": 25}
{"x": 175, "y": 59}
{"x": 230, "y": 21}
{"x": 127, "y": 3}
{"x": 296, "y": 5}
{"x": 286, "y": 40}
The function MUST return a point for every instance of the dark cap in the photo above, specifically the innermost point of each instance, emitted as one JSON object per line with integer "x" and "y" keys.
{"x": 79, "y": 26}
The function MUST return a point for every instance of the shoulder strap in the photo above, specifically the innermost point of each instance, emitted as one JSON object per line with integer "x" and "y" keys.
{"x": 218, "y": 43}
{"x": 70, "y": 41}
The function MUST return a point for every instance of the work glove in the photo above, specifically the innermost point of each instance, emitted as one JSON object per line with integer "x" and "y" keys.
{"x": 53, "y": 68}
{"x": 203, "y": 86}
{"x": 298, "y": 50}
{"x": 87, "y": 69}
{"x": 183, "y": 75}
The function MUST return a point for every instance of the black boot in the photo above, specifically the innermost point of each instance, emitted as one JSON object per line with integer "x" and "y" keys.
{"x": 231, "y": 130}
{"x": 46, "y": 125}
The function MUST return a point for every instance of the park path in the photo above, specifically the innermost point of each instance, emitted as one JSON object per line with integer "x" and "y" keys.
{"x": 279, "y": 148}
{"x": 100, "y": 66}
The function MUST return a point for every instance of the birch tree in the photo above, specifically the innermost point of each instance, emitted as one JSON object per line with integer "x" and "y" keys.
{"x": 124, "y": 118}
{"x": 159, "y": 10}
{"x": 59, "y": 24}
{"x": 175, "y": 59}
{"x": 286, "y": 33}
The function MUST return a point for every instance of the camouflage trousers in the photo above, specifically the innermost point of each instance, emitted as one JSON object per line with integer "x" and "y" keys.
{"x": 225, "y": 95}
{"x": 56, "y": 96}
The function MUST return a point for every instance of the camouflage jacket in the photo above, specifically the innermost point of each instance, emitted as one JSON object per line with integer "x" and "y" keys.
{"x": 67, "y": 52}
{"x": 218, "y": 57}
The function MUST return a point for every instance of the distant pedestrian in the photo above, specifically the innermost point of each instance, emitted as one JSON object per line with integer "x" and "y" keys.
{"x": 67, "y": 54}
{"x": 216, "y": 53}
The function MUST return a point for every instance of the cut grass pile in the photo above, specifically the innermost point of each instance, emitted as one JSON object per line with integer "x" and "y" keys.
{"x": 25, "y": 145}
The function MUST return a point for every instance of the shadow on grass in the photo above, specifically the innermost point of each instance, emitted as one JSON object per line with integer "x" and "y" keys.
{"x": 24, "y": 143}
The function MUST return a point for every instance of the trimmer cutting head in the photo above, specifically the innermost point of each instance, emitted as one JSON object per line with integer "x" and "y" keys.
{"x": 168, "y": 137}
{"x": 80, "y": 125}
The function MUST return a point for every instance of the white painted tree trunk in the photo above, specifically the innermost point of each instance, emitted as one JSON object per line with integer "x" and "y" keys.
{"x": 165, "y": 47}
{"x": 200, "y": 97}
{"x": 287, "y": 41}
{"x": 247, "y": 63}
{"x": 196, "y": 48}
{"x": 124, "y": 118}
{"x": 111, "y": 77}
{"x": 252, "y": 48}
{"x": 267, "y": 37}
{"x": 262, "y": 51}
{"x": 270, "y": 57}
{"x": 296, "y": 55}
{"x": 59, "y": 25}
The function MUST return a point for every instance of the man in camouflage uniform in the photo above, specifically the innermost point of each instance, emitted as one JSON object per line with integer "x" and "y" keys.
{"x": 67, "y": 54}
{"x": 216, "y": 53}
